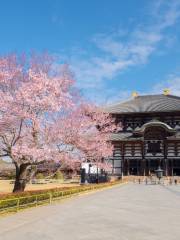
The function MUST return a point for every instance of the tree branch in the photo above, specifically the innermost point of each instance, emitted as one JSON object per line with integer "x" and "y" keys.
{"x": 19, "y": 133}
{"x": 4, "y": 155}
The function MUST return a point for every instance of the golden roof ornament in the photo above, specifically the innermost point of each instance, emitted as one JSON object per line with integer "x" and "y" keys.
{"x": 166, "y": 91}
{"x": 134, "y": 94}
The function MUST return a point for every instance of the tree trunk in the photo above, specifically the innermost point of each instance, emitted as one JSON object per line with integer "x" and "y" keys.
{"x": 21, "y": 177}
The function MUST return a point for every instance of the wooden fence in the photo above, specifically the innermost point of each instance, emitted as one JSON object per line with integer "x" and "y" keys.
{"x": 18, "y": 203}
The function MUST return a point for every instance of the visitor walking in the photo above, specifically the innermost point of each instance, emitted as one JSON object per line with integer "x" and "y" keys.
{"x": 170, "y": 181}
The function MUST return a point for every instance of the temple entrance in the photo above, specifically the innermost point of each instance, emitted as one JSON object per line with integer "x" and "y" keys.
{"x": 145, "y": 167}
{"x": 153, "y": 165}
{"x": 132, "y": 167}
{"x": 176, "y": 171}
{"x": 175, "y": 165}
{"x": 133, "y": 171}
{"x": 154, "y": 138}
{"x": 157, "y": 148}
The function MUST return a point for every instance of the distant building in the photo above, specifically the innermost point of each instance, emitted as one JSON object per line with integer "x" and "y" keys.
{"x": 150, "y": 135}
{"x": 90, "y": 168}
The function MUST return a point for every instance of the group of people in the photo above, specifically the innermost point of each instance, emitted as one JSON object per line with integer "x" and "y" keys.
{"x": 151, "y": 180}
{"x": 171, "y": 181}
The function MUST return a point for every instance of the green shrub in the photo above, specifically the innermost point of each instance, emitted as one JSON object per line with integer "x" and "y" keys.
{"x": 58, "y": 175}
{"x": 27, "y": 200}
{"x": 39, "y": 176}
{"x": 55, "y": 191}
{"x": 10, "y": 203}
{"x": 11, "y": 175}
{"x": 57, "y": 194}
{"x": 43, "y": 197}
{"x": 18, "y": 201}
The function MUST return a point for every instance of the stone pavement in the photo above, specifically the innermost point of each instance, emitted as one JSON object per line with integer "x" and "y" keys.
{"x": 129, "y": 212}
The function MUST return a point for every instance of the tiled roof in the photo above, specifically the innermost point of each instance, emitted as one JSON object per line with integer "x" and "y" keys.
{"x": 123, "y": 136}
{"x": 147, "y": 103}
{"x": 138, "y": 134}
{"x": 155, "y": 123}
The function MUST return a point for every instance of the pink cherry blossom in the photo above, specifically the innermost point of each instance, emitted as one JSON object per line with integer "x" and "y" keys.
{"x": 43, "y": 119}
{"x": 30, "y": 94}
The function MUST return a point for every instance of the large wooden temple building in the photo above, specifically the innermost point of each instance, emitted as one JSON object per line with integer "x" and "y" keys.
{"x": 150, "y": 135}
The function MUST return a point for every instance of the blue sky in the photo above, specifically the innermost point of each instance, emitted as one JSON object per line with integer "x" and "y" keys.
{"x": 114, "y": 47}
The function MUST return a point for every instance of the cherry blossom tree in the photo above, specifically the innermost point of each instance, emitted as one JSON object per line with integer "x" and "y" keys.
{"x": 84, "y": 135}
{"x": 42, "y": 118}
{"x": 31, "y": 92}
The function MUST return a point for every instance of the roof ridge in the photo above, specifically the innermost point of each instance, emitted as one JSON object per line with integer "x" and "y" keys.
{"x": 115, "y": 103}
{"x": 152, "y": 95}
{"x": 148, "y": 95}
{"x": 146, "y": 103}
{"x": 173, "y": 96}
{"x": 130, "y": 99}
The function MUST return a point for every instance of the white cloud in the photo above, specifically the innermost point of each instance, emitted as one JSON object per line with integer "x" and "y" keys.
{"x": 166, "y": 13}
{"x": 116, "y": 56}
{"x": 120, "y": 50}
{"x": 172, "y": 83}
{"x": 109, "y": 96}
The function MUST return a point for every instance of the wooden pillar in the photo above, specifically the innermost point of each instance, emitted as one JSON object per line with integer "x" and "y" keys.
{"x": 144, "y": 167}
{"x": 147, "y": 173}
{"x": 165, "y": 158}
{"x": 125, "y": 167}
{"x": 122, "y": 167}
{"x": 141, "y": 166}
{"x": 166, "y": 167}
{"x": 128, "y": 167}
{"x": 123, "y": 163}
{"x": 143, "y": 161}
{"x": 149, "y": 163}
{"x": 172, "y": 166}
{"x": 138, "y": 167}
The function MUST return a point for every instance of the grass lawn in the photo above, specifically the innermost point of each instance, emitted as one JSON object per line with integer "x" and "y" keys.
{"x": 7, "y": 187}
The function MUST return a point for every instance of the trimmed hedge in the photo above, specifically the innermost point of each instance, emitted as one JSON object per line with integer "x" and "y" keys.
{"x": 14, "y": 202}
{"x": 33, "y": 192}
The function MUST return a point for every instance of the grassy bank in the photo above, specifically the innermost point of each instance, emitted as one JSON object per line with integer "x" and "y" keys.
{"x": 6, "y": 186}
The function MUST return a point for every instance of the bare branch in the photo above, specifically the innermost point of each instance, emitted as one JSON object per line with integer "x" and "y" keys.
{"x": 19, "y": 133}
{"x": 4, "y": 155}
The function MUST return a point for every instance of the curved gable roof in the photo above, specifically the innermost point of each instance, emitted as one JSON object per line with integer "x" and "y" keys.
{"x": 146, "y": 104}
{"x": 155, "y": 123}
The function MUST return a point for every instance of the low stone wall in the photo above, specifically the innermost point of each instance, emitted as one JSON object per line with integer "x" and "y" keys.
{"x": 132, "y": 178}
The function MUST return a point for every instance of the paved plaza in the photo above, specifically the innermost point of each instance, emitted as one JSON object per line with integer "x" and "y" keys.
{"x": 129, "y": 212}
